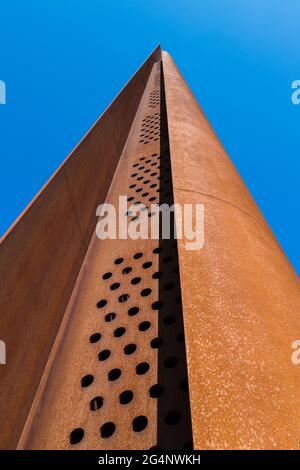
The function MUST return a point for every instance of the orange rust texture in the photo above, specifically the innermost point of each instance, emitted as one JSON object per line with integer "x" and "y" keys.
{"x": 61, "y": 404}
{"x": 241, "y": 297}
{"x": 40, "y": 257}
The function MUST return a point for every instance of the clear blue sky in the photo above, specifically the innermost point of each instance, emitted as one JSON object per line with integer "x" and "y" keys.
{"x": 63, "y": 61}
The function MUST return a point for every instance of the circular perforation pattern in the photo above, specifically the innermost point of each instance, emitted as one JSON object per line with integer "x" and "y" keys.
{"x": 154, "y": 98}
{"x": 144, "y": 185}
{"x": 157, "y": 80}
{"x": 76, "y": 436}
{"x": 150, "y": 128}
{"x": 125, "y": 329}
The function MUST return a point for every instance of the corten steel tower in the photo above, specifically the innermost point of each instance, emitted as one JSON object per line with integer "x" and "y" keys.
{"x": 131, "y": 344}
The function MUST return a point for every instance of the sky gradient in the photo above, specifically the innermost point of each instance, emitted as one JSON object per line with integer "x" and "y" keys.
{"x": 64, "y": 61}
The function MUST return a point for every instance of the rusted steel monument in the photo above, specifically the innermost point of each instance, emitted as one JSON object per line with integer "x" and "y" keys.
{"x": 140, "y": 344}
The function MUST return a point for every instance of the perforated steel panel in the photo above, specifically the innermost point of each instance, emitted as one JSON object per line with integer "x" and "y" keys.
{"x": 117, "y": 377}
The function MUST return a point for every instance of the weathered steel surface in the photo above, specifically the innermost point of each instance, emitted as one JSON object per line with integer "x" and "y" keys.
{"x": 41, "y": 255}
{"x": 241, "y": 297}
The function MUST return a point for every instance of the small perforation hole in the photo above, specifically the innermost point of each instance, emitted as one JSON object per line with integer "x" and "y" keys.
{"x": 156, "y": 305}
{"x": 139, "y": 423}
{"x": 147, "y": 265}
{"x": 145, "y": 325}
{"x": 125, "y": 397}
{"x": 94, "y": 338}
{"x": 106, "y": 275}
{"x": 96, "y": 403}
{"x": 104, "y": 354}
{"x": 87, "y": 380}
{"x": 76, "y": 436}
{"x": 130, "y": 349}
{"x": 133, "y": 311}
{"x": 110, "y": 317}
{"x": 157, "y": 275}
{"x": 119, "y": 331}
{"x": 146, "y": 292}
{"x": 123, "y": 298}
{"x": 127, "y": 270}
{"x": 107, "y": 430}
{"x": 156, "y": 342}
{"x": 142, "y": 368}
{"x": 114, "y": 374}
{"x": 115, "y": 286}
{"x": 156, "y": 391}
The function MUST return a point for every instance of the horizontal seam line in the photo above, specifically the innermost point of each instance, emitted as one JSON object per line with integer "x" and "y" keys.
{"x": 231, "y": 204}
